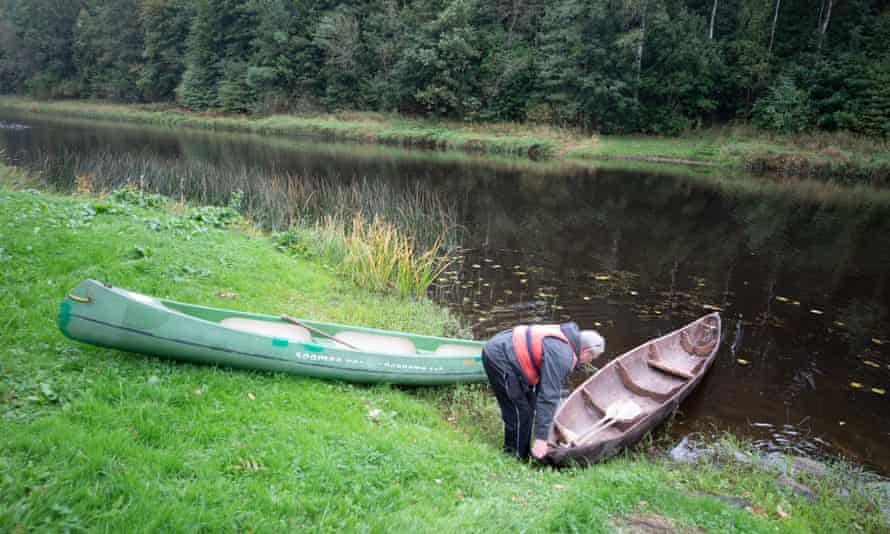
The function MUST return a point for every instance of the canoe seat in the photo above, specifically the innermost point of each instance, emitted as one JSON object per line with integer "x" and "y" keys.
{"x": 290, "y": 332}
{"x": 663, "y": 367}
{"x": 656, "y": 362}
{"x": 643, "y": 391}
{"x": 696, "y": 350}
{"x": 450, "y": 349}
{"x": 378, "y": 343}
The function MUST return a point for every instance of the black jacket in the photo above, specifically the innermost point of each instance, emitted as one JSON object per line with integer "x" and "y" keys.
{"x": 556, "y": 364}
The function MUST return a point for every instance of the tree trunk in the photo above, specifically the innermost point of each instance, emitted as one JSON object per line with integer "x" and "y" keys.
{"x": 823, "y": 23}
{"x": 772, "y": 35}
{"x": 713, "y": 19}
{"x": 639, "y": 58}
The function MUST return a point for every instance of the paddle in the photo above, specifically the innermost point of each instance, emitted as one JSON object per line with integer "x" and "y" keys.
{"x": 617, "y": 412}
{"x": 290, "y": 319}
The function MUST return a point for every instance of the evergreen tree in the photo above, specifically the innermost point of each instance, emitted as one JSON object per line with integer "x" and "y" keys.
{"x": 680, "y": 74}
{"x": 875, "y": 102}
{"x": 203, "y": 62}
{"x": 439, "y": 68}
{"x": 108, "y": 49}
{"x": 165, "y": 26}
{"x": 585, "y": 69}
{"x": 41, "y": 57}
{"x": 284, "y": 64}
{"x": 601, "y": 65}
{"x": 219, "y": 45}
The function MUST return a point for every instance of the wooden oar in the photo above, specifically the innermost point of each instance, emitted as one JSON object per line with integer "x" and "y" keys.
{"x": 617, "y": 412}
{"x": 290, "y": 319}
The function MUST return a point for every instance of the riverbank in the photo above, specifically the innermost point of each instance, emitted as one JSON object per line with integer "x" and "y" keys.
{"x": 97, "y": 439}
{"x": 833, "y": 157}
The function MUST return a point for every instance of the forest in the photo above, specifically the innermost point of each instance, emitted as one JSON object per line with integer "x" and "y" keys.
{"x": 609, "y": 66}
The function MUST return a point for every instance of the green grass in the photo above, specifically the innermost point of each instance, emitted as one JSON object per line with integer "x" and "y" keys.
{"x": 100, "y": 440}
{"x": 835, "y": 157}
{"x": 369, "y": 127}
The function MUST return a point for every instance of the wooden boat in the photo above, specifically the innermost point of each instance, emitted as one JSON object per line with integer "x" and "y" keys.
{"x": 99, "y": 314}
{"x": 632, "y": 394}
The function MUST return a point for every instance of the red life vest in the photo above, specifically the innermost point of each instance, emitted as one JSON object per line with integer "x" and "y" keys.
{"x": 528, "y": 344}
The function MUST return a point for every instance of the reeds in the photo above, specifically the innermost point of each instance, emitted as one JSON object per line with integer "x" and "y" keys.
{"x": 381, "y": 236}
{"x": 273, "y": 200}
{"x": 381, "y": 258}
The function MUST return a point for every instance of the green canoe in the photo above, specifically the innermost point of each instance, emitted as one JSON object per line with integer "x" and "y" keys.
{"x": 99, "y": 314}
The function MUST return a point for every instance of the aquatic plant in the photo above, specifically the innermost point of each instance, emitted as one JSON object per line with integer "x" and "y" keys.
{"x": 274, "y": 201}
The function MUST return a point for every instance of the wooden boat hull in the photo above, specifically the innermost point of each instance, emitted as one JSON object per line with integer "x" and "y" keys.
{"x": 107, "y": 316}
{"x": 657, "y": 376}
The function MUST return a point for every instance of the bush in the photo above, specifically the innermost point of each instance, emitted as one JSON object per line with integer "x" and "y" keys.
{"x": 785, "y": 108}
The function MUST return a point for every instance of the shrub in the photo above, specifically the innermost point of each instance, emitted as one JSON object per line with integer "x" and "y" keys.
{"x": 785, "y": 108}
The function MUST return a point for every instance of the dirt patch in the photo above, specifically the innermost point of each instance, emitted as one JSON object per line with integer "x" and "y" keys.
{"x": 649, "y": 524}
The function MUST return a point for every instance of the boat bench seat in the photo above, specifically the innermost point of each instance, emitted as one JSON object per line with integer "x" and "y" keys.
{"x": 290, "y": 332}
{"x": 673, "y": 371}
{"x": 378, "y": 343}
{"x": 453, "y": 349}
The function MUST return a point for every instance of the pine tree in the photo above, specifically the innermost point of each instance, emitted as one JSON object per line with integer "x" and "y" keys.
{"x": 108, "y": 49}
{"x": 875, "y": 116}
{"x": 203, "y": 62}
{"x": 165, "y": 25}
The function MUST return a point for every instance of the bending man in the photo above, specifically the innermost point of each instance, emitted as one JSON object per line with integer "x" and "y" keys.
{"x": 527, "y": 367}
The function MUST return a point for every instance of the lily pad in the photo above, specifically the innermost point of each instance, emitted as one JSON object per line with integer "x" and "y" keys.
{"x": 742, "y": 361}
{"x": 878, "y": 391}
{"x": 782, "y": 299}
{"x": 856, "y": 385}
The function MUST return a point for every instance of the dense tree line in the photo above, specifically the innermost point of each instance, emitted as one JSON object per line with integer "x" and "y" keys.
{"x": 659, "y": 66}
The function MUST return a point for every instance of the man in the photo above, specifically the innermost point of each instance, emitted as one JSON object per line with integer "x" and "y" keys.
{"x": 527, "y": 367}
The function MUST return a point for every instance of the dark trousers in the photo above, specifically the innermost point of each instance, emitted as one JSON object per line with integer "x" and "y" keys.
{"x": 517, "y": 403}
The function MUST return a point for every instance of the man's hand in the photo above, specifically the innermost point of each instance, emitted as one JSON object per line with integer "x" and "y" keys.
{"x": 539, "y": 448}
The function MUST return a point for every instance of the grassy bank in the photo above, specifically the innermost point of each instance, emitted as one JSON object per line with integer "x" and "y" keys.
{"x": 364, "y": 127}
{"x": 100, "y": 440}
{"x": 835, "y": 157}
{"x": 824, "y": 156}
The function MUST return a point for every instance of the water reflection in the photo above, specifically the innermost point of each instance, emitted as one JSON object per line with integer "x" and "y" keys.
{"x": 802, "y": 285}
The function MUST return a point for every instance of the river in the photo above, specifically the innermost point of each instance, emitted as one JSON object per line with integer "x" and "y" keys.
{"x": 802, "y": 284}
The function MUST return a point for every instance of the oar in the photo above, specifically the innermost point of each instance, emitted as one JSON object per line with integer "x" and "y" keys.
{"x": 619, "y": 411}
{"x": 290, "y": 319}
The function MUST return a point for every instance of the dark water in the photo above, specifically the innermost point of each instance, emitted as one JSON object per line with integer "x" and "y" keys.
{"x": 802, "y": 284}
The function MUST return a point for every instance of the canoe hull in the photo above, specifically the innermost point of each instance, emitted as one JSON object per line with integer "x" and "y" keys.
{"x": 116, "y": 318}
{"x": 681, "y": 360}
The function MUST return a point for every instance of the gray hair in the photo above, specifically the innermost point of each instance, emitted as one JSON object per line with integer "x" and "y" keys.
{"x": 591, "y": 339}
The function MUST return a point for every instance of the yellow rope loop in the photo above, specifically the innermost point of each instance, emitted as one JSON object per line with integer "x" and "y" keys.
{"x": 75, "y": 298}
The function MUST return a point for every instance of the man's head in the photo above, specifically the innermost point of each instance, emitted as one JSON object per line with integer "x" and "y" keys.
{"x": 592, "y": 345}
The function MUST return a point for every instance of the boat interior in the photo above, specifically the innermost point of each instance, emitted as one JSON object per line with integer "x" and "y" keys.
{"x": 341, "y": 338}
{"x": 648, "y": 376}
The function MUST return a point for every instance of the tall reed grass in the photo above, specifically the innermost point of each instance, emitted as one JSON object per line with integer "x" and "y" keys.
{"x": 380, "y": 257}
{"x": 372, "y": 253}
{"x": 379, "y": 235}
{"x": 275, "y": 201}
